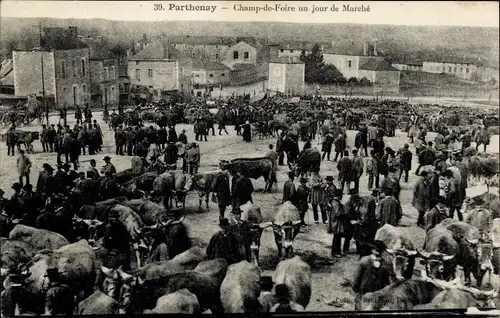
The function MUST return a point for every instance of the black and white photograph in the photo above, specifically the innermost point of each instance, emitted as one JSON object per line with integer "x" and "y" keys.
{"x": 225, "y": 157}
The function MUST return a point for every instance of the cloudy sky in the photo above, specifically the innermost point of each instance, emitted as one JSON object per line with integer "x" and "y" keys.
{"x": 482, "y": 14}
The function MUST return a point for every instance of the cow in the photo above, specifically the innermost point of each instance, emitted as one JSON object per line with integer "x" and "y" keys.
{"x": 202, "y": 184}
{"x": 25, "y": 138}
{"x": 39, "y": 239}
{"x": 286, "y": 226}
{"x": 98, "y": 304}
{"x": 296, "y": 275}
{"x": 170, "y": 184}
{"x": 467, "y": 238}
{"x": 400, "y": 249}
{"x": 149, "y": 211}
{"x": 439, "y": 255}
{"x": 253, "y": 168}
{"x": 481, "y": 219}
{"x": 486, "y": 200}
{"x": 15, "y": 252}
{"x": 191, "y": 258}
{"x": 75, "y": 263}
{"x": 99, "y": 210}
{"x": 240, "y": 289}
{"x": 308, "y": 161}
{"x": 141, "y": 184}
{"x": 180, "y": 302}
{"x": 252, "y": 214}
{"x": 88, "y": 229}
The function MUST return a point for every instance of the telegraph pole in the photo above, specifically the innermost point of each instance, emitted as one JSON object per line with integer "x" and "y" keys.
{"x": 45, "y": 107}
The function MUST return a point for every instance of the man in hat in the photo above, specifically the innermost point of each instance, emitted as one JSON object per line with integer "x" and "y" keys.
{"x": 289, "y": 189}
{"x": 326, "y": 145}
{"x": 242, "y": 189}
{"x": 241, "y": 231}
{"x": 389, "y": 209}
{"x": 59, "y": 299}
{"x": 453, "y": 194}
{"x": 23, "y": 167}
{"x": 405, "y": 161}
{"x": 373, "y": 273}
{"x": 42, "y": 177}
{"x": 220, "y": 187}
{"x": 392, "y": 182}
{"x": 120, "y": 140}
{"x": 15, "y": 294}
{"x": 6, "y": 224}
{"x": 338, "y": 222}
{"x": 15, "y": 206}
{"x": 436, "y": 214}
{"x": 284, "y": 303}
{"x": 108, "y": 167}
{"x": 116, "y": 241}
{"x": 108, "y": 186}
{"x": 358, "y": 165}
{"x": 92, "y": 171}
{"x": 193, "y": 158}
{"x": 182, "y": 137}
{"x": 43, "y": 138}
{"x": 346, "y": 171}
{"x": 329, "y": 192}
{"x": 11, "y": 141}
{"x": 301, "y": 196}
{"x": 421, "y": 195}
{"x": 223, "y": 244}
{"x": 266, "y": 296}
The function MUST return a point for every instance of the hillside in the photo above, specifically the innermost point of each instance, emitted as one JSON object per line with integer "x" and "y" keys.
{"x": 395, "y": 41}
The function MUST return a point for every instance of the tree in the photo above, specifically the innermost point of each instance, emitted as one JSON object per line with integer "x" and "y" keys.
{"x": 316, "y": 71}
{"x": 118, "y": 50}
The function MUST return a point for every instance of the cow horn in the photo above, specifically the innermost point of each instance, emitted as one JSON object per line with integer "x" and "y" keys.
{"x": 448, "y": 257}
{"x": 296, "y": 222}
{"x": 179, "y": 220}
{"x": 473, "y": 241}
{"x": 264, "y": 225}
{"x": 424, "y": 254}
{"x": 106, "y": 270}
{"x": 389, "y": 250}
{"x": 4, "y": 271}
{"x": 124, "y": 276}
{"x": 411, "y": 253}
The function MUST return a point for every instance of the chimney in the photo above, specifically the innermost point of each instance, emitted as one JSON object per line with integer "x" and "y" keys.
{"x": 365, "y": 49}
{"x": 73, "y": 33}
{"x": 375, "y": 48}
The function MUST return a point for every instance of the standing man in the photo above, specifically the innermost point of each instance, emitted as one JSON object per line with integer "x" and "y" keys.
{"x": 421, "y": 196}
{"x": 242, "y": 190}
{"x": 23, "y": 167}
{"x": 453, "y": 194}
{"x": 301, "y": 196}
{"x": 346, "y": 171}
{"x": 326, "y": 146}
{"x": 59, "y": 299}
{"x": 389, "y": 209}
{"x": 120, "y": 139}
{"x": 358, "y": 166}
{"x": 43, "y": 138}
{"x": 223, "y": 244}
{"x": 11, "y": 141}
{"x": 92, "y": 171}
{"x": 220, "y": 187}
{"x": 271, "y": 154}
{"x": 289, "y": 189}
{"x": 340, "y": 146}
{"x": 392, "y": 182}
{"x": 192, "y": 156}
{"x": 406, "y": 157}
{"x": 108, "y": 167}
{"x": 337, "y": 222}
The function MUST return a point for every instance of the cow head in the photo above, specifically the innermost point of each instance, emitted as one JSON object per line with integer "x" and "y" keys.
{"x": 284, "y": 235}
{"x": 403, "y": 262}
{"x": 87, "y": 229}
{"x": 255, "y": 234}
{"x": 438, "y": 265}
{"x": 486, "y": 268}
{"x": 128, "y": 283}
{"x": 111, "y": 283}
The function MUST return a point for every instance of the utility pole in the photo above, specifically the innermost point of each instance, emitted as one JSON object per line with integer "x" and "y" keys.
{"x": 45, "y": 107}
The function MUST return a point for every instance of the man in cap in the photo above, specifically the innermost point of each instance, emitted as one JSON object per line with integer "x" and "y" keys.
{"x": 329, "y": 192}
{"x": 421, "y": 195}
{"x": 42, "y": 177}
{"x": 358, "y": 165}
{"x": 301, "y": 196}
{"x": 241, "y": 231}
{"x": 108, "y": 186}
{"x": 182, "y": 137}
{"x": 338, "y": 222}
{"x": 108, "y": 167}
{"x": 92, "y": 171}
{"x": 266, "y": 296}
{"x": 392, "y": 182}
{"x": 43, "y": 138}
{"x": 453, "y": 194}
{"x": 11, "y": 141}
{"x": 373, "y": 273}
{"x": 15, "y": 206}
{"x": 289, "y": 189}
{"x": 220, "y": 187}
{"x": 346, "y": 171}
{"x": 59, "y": 299}
{"x": 223, "y": 244}
{"x": 389, "y": 209}
{"x": 436, "y": 214}
{"x": 406, "y": 158}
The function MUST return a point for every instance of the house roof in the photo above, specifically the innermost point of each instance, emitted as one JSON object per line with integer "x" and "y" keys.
{"x": 374, "y": 64}
{"x": 209, "y": 65}
{"x": 455, "y": 60}
{"x": 286, "y": 60}
{"x": 295, "y": 45}
{"x": 98, "y": 51}
{"x": 199, "y": 40}
{"x": 157, "y": 51}
{"x": 60, "y": 39}
{"x": 243, "y": 66}
{"x": 8, "y": 79}
{"x": 408, "y": 62}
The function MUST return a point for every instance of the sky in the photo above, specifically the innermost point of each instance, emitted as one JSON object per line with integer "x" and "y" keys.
{"x": 478, "y": 14}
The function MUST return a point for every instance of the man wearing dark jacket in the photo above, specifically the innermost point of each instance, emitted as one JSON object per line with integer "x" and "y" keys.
{"x": 406, "y": 157}
{"x": 59, "y": 299}
{"x": 242, "y": 190}
{"x": 223, "y": 244}
{"x": 289, "y": 189}
{"x": 220, "y": 187}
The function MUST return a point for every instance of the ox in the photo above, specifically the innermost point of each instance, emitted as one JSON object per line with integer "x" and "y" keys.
{"x": 400, "y": 248}
{"x": 439, "y": 255}
{"x": 15, "y": 252}
{"x": 39, "y": 239}
{"x": 180, "y": 302}
{"x": 253, "y": 168}
{"x": 286, "y": 226}
{"x": 308, "y": 161}
{"x": 98, "y": 304}
{"x": 296, "y": 275}
{"x": 202, "y": 184}
{"x": 240, "y": 288}
{"x": 25, "y": 138}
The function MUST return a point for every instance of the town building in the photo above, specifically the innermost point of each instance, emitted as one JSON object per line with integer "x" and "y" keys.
{"x": 58, "y": 68}
{"x": 240, "y": 53}
{"x": 209, "y": 73}
{"x": 103, "y": 73}
{"x": 464, "y": 68}
{"x": 487, "y": 71}
{"x": 381, "y": 74}
{"x": 286, "y": 75}
{"x": 408, "y": 65}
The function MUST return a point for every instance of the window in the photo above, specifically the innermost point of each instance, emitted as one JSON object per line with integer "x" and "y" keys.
{"x": 461, "y": 70}
{"x": 467, "y": 70}
{"x": 349, "y": 63}
{"x": 192, "y": 55}
{"x": 216, "y": 56}
{"x": 291, "y": 51}
{"x": 112, "y": 73}
{"x": 105, "y": 73}
{"x": 175, "y": 45}
{"x": 138, "y": 74}
{"x": 235, "y": 55}
{"x": 455, "y": 69}
{"x": 150, "y": 73}
{"x": 449, "y": 69}
{"x": 216, "y": 46}
{"x": 73, "y": 64}
{"x": 443, "y": 69}
{"x": 112, "y": 93}
{"x": 196, "y": 75}
{"x": 75, "y": 96}
{"x": 211, "y": 75}
{"x": 83, "y": 67}
{"x": 136, "y": 62}
{"x": 245, "y": 55}
{"x": 223, "y": 74}
{"x": 63, "y": 69}
{"x": 281, "y": 50}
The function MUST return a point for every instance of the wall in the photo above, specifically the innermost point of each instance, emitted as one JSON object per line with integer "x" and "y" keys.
{"x": 241, "y": 48}
{"x": 165, "y": 74}
{"x": 341, "y": 62}
{"x": 486, "y": 74}
{"x": 277, "y": 73}
{"x": 294, "y": 78}
{"x": 251, "y": 74}
{"x": 71, "y": 79}
{"x": 199, "y": 77}
{"x": 28, "y": 73}
{"x": 213, "y": 52}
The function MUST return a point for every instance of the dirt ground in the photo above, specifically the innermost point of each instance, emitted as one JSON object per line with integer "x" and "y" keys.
{"x": 313, "y": 244}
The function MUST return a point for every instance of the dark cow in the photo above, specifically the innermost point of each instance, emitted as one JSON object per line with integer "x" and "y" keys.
{"x": 296, "y": 275}
{"x": 202, "y": 184}
{"x": 308, "y": 161}
{"x": 99, "y": 210}
{"x": 400, "y": 249}
{"x": 487, "y": 200}
{"x": 286, "y": 226}
{"x": 140, "y": 184}
{"x": 467, "y": 238}
{"x": 253, "y": 168}
{"x": 240, "y": 289}
{"x": 24, "y": 138}
{"x": 441, "y": 251}
{"x": 126, "y": 175}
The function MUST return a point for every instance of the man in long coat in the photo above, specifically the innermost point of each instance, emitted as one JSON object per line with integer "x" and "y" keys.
{"x": 365, "y": 224}
{"x": 406, "y": 157}
{"x": 346, "y": 171}
{"x": 421, "y": 195}
{"x": 241, "y": 231}
{"x": 392, "y": 182}
{"x": 338, "y": 221}
{"x": 389, "y": 209}
{"x": 289, "y": 189}
{"x": 223, "y": 244}
{"x": 453, "y": 194}
{"x": 220, "y": 187}
{"x": 301, "y": 196}
{"x": 242, "y": 190}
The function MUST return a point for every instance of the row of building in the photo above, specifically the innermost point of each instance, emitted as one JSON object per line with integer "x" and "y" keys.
{"x": 70, "y": 69}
